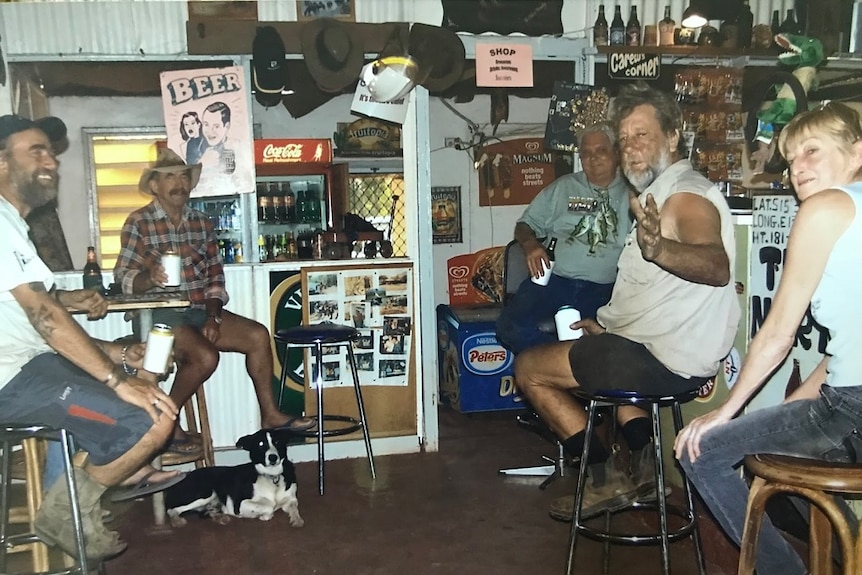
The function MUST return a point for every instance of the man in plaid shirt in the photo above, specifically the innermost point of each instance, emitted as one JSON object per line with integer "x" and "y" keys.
{"x": 205, "y": 328}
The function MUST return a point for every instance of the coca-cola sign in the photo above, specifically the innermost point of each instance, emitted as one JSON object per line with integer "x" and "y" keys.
{"x": 291, "y": 151}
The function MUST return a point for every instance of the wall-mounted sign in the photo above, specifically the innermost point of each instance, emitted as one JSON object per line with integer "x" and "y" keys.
{"x": 632, "y": 66}
{"x": 504, "y": 65}
{"x": 293, "y": 151}
{"x": 512, "y": 172}
{"x": 368, "y": 137}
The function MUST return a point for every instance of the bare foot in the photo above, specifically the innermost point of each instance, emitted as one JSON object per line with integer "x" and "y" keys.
{"x": 157, "y": 475}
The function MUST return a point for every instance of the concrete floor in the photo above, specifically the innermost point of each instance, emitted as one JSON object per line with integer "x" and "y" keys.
{"x": 426, "y": 514}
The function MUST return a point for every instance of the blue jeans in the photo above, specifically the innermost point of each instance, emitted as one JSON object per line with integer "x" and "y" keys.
{"x": 518, "y": 324}
{"x": 823, "y": 428}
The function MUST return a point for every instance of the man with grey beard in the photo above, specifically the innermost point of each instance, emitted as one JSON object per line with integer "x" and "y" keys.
{"x": 672, "y": 315}
{"x": 52, "y": 372}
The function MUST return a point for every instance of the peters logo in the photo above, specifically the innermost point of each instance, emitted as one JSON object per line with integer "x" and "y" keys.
{"x": 459, "y": 272}
{"x": 482, "y": 354}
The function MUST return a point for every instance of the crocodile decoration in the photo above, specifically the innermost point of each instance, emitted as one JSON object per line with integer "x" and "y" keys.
{"x": 803, "y": 54}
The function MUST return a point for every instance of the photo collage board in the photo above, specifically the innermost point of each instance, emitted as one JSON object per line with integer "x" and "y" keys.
{"x": 377, "y": 301}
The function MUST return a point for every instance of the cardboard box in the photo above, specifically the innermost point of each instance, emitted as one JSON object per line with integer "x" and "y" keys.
{"x": 476, "y": 279}
{"x": 476, "y": 373}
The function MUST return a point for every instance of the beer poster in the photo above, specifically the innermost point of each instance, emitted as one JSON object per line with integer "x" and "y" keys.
{"x": 446, "y": 215}
{"x": 208, "y": 123}
{"x": 512, "y": 172}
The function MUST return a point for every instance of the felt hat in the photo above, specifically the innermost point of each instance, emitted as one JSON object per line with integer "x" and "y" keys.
{"x": 440, "y": 54}
{"x": 268, "y": 66}
{"x": 53, "y": 127}
{"x": 333, "y": 52}
{"x": 168, "y": 162}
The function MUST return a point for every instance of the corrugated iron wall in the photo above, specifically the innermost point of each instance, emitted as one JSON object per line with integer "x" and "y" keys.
{"x": 105, "y": 28}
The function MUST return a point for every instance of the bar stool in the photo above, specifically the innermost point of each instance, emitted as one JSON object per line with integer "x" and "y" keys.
{"x": 315, "y": 337}
{"x": 617, "y": 398}
{"x": 14, "y": 433}
{"x": 817, "y": 481}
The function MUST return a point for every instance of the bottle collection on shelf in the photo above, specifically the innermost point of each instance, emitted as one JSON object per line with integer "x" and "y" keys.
{"x": 735, "y": 33}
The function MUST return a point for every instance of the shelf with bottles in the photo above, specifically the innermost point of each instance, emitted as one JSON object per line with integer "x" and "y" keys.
{"x": 285, "y": 204}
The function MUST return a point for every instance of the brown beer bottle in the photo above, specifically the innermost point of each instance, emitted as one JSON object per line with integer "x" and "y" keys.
{"x": 618, "y": 29}
{"x": 600, "y": 28}
{"x": 633, "y": 29}
{"x": 92, "y": 272}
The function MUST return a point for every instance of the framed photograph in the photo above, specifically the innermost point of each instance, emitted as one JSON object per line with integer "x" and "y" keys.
{"x": 340, "y": 9}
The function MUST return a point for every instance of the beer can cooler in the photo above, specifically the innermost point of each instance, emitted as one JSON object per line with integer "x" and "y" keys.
{"x": 566, "y": 316}
{"x": 543, "y": 279}
{"x": 159, "y": 345}
{"x": 173, "y": 268}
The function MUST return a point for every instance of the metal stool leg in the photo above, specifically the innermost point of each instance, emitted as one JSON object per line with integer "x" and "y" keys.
{"x": 659, "y": 485}
{"x": 68, "y": 453}
{"x": 582, "y": 481}
{"x": 5, "y": 470}
{"x": 689, "y": 498}
{"x": 318, "y": 354}
{"x": 364, "y": 421}
{"x": 283, "y": 379}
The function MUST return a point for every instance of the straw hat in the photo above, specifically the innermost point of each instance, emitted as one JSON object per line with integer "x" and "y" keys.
{"x": 168, "y": 162}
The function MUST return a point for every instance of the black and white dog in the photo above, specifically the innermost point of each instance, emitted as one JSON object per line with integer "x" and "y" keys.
{"x": 255, "y": 490}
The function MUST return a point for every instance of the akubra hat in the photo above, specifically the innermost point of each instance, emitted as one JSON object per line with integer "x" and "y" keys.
{"x": 333, "y": 52}
{"x": 168, "y": 162}
{"x": 440, "y": 54}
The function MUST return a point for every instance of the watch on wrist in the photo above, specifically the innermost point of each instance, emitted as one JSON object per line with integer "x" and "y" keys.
{"x": 215, "y": 318}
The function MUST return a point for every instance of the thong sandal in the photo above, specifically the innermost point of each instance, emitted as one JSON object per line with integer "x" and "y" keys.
{"x": 298, "y": 423}
{"x": 145, "y": 486}
{"x": 184, "y": 446}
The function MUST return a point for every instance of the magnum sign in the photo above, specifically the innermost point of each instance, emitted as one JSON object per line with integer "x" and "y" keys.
{"x": 628, "y": 66}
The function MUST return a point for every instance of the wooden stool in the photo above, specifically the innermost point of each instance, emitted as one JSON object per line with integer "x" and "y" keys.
{"x": 197, "y": 426}
{"x": 30, "y": 435}
{"x": 817, "y": 481}
{"x": 665, "y": 535}
{"x": 32, "y": 460}
{"x": 315, "y": 337}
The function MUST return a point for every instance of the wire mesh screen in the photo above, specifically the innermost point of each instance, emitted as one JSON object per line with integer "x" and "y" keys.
{"x": 379, "y": 199}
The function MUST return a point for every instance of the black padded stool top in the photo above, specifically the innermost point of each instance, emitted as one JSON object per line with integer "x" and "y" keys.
{"x": 319, "y": 333}
{"x": 621, "y": 396}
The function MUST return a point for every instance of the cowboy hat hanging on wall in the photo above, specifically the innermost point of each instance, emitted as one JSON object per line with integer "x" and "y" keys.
{"x": 333, "y": 52}
{"x": 440, "y": 54}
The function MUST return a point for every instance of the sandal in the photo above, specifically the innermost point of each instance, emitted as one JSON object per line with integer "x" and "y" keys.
{"x": 145, "y": 487}
{"x": 298, "y": 423}
{"x": 186, "y": 446}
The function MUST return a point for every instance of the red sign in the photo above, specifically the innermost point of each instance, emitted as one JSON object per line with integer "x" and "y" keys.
{"x": 293, "y": 151}
{"x": 476, "y": 278}
{"x": 512, "y": 172}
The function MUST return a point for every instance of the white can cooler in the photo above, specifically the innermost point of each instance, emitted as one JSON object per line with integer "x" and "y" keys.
{"x": 160, "y": 342}
{"x": 543, "y": 279}
{"x": 172, "y": 263}
{"x": 566, "y": 316}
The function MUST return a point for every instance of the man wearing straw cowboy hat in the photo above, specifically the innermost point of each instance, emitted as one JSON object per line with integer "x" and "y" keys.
{"x": 205, "y": 328}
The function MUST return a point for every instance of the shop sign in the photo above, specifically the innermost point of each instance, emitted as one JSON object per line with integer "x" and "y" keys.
{"x": 512, "y": 172}
{"x": 368, "y": 137}
{"x": 633, "y": 66}
{"x": 504, "y": 65}
{"x": 293, "y": 151}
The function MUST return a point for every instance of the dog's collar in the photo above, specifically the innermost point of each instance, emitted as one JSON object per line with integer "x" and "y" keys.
{"x": 276, "y": 479}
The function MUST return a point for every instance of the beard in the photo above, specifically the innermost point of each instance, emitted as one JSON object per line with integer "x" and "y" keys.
{"x": 34, "y": 192}
{"x": 642, "y": 180}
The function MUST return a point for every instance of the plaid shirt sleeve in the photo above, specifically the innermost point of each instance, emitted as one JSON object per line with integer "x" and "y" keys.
{"x": 135, "y": 256}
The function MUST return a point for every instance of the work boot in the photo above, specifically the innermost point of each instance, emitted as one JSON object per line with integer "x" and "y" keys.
{"x": 611, "y": 489}
{"x": 54, "y": 526}
{"x": 643, "y": 471}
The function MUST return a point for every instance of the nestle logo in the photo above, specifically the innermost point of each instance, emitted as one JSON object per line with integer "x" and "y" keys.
{"x": 484, "y": 358}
